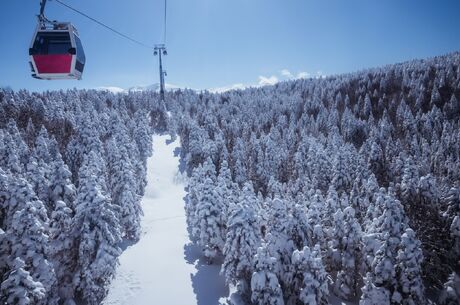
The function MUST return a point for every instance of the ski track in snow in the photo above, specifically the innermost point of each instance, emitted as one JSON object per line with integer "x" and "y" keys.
{"x": 164, "y": 267}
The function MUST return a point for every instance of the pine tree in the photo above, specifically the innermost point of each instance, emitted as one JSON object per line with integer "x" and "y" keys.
{"x": 315, "y": 231}
{"x": 61, "y": 248}
{"x": 329, "y": 208}
{"x": 20, "y": 288}
{"x": 409, "y": 182}
{"x": 409, "y": 270}
{"x": 314, "y": 288}
{"x": 61, "y": 186}
{"x": 42, "y": 146}
{"x": 30, "y": 133}
{"x": 194, "y": 190}
{"x": 123, "y": 190}
{"x": 97, "y": 232}
{"x": 17, "y": 141}
{"x": 341, "y": 180}
{"x": 211, "y": 220}
{"x": 5, "y": 249}
{"x": 242, "y": 241}
{"x": 299, "y": 227}
{"x": 226, "y": 191}
{"x": 373, "y": 295}
{"x": 265, "y": 288}
{"x": 348, "y": 277}
{"x": 451, "y": 292}
{"x": 142, "y": 134}
{"x": 455, "y": 233}
{"x": 280, "y": 243}
{"x": 37, "y": 176}
{"x": 9, "y": 157}
{"x": 381, "y": 244}
{"x": 28, "y": 235}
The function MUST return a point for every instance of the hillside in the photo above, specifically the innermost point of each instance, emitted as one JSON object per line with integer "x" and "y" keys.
{"x": 346, "y": 185}
{"x": 305, "y": 192}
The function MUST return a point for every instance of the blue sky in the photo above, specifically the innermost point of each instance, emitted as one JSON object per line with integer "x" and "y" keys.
{"x": 219, "y": 43}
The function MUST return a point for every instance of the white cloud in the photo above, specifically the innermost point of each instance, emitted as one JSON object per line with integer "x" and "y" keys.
{"x": 287, "y": 73}
{"x": 266, "y": 81}
{"x": 303, "y": 75}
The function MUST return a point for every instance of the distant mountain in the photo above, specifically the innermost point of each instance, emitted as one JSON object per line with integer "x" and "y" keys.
{"x": 112, "y": 89}
{"x": 140, "y": 88}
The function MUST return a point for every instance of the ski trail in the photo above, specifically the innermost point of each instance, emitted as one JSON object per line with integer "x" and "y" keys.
{"x": 163, "y": 268}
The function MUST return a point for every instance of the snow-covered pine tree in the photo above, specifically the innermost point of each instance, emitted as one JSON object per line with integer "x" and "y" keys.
{"x": 61, "y": 186}
{"x": 299, "y": 227}
{"x": 341, "y": 180}
{"x": 381, "y": 244}
{"x": 410, "y": 180}
{"x": 194, "y": 186}
{"x": 265, "y": 288}
{"x": 61, "y": 248}
{"x": 373, "y": 295}
{"x": 27, "y": 232}
{"x": 335, "y": 244}
{"x": 383, "y": 274}
{"x": 348, "y": 277}
{"x": 20, "y": 288}
{"x": 242, "y": 240}
{"x": 9, "y": 157}
{"x": 451, "y": 292}
{"x": 330, "y": 206}
{"x": 37, "y": 177}
{"x": 314, "y": 279}
{"x": 123, "y": 189}
{"x": 29, "y": 134}
{"x": 209, "y": 212}
{"x": 315, "y": 231}
{"x": 97, "y": 232}
{"x": 41, "y": 146}
{"x": 455, "y": 233}
{"x": 280, "y": 242}
{"x": 18, "y": 142}
{"x": 142, "y": 134}
{"x": 226, "y": 191}
{"x": 408, "y": 270}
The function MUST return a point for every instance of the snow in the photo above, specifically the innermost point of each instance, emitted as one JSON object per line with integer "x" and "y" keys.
{"x": 112, "y": 89}
{"x": 164, "y": 267}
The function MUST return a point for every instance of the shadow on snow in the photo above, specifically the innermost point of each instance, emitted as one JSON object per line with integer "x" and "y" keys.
{"x": 208, "y": 285}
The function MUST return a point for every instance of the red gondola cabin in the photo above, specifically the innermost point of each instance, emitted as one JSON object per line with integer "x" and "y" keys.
{"x": 56, "y": 52}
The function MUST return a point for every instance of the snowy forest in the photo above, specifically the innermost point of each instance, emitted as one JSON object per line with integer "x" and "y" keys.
{"x": 344, "y": 187}
{"x": 347, "y": 185}
{"x": 72, "y": 173}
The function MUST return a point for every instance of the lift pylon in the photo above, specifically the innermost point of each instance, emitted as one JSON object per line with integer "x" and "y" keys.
{"x": 160, "y": 49}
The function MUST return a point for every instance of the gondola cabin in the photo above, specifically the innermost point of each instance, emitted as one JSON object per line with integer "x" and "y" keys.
{"x": 56, "y": 52}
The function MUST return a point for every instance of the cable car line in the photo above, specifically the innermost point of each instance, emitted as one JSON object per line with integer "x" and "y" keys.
{"x": 164, "y": 34}
{"x": 106, "y": 26}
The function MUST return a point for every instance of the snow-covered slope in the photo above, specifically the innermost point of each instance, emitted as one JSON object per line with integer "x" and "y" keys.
{"x": 163, "y": 268}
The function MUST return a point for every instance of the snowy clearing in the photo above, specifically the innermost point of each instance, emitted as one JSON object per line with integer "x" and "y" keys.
{"x": 163, "y": 267}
